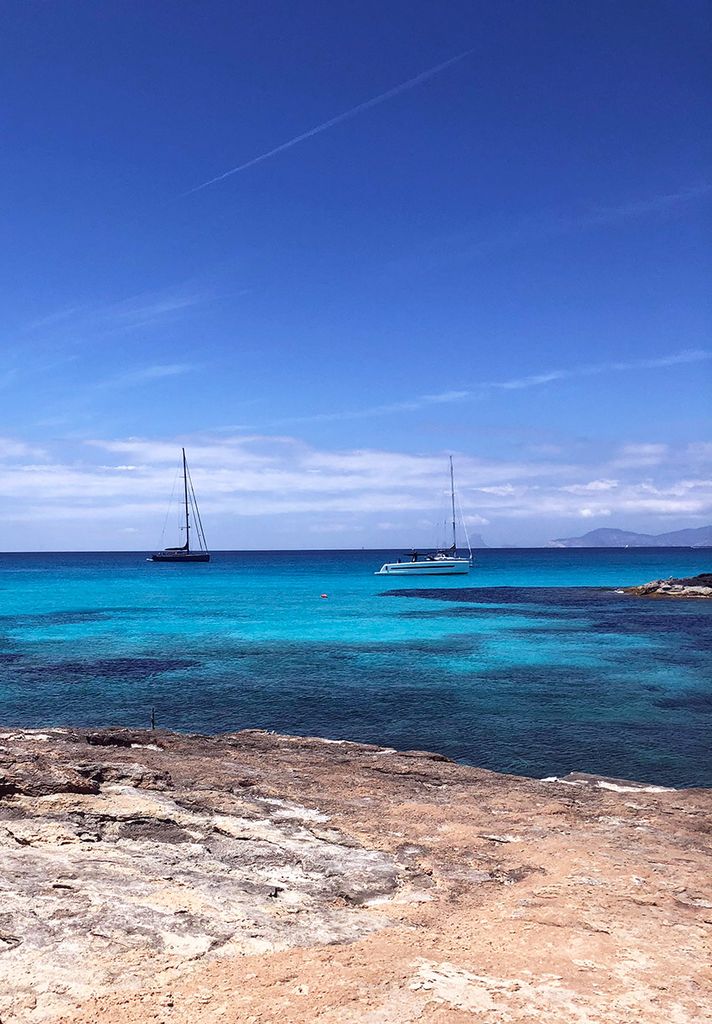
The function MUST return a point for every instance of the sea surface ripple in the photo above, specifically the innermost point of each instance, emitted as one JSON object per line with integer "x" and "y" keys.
{"x": 532, "y": 664}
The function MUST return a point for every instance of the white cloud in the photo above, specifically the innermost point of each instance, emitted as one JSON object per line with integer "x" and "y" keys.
{"x": 667, "y": 506}
{"x": 700, "y": 451}
{"x": 13, "y": 449}
{"x": 590, "y": 513}
{"x": 532, "y": 381}
{"x": 501, "y": 490}
{"x": 691, "y": 485}
{"x": 327, "y": 527}
{"x": 291, "y": 488}
{"x": 633, "y": 455}
{"x": 591, "y": 487}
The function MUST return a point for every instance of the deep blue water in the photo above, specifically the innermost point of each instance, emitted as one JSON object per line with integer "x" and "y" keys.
{"x": 522, "y": 666}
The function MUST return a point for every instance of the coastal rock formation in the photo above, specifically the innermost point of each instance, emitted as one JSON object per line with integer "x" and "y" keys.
{"x": 694, "y": 586}
{"x": 250, "y": 877}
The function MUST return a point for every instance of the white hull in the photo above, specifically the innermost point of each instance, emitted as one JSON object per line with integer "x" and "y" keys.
{"x": 436, "y": 567}
{"x": 444, "y": 562}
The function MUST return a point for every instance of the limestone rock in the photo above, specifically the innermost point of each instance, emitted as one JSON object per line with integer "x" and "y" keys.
{"x": 277, "y": 879}
{"x": 695, "y": 587}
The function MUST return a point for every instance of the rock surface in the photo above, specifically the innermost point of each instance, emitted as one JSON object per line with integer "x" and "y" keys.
{"x": 155, "y": 877}
{"x": 694, "y": 586}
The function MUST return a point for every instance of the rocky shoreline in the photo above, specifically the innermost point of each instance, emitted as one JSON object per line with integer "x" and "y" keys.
{"x": 694, "y": 586}
{"x": 251, "y": 877}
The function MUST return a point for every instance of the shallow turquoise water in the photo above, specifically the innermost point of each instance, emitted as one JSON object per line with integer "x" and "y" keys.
{"x": 527, "y": 672}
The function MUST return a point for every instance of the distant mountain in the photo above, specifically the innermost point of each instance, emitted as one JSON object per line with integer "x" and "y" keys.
{"x": 603, "y": 538}
{"x": 476, "y": 541}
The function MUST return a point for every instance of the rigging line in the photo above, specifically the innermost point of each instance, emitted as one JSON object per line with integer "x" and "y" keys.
{"x": 197, "y": 536}
{"x": 199, "y": 520}
{"x": 452, "y": 500}
{"x": 197, "y": 532}
{"x": 170, "y": 504}
{"x": 464, "y": 524}
{"x": 196, "y": 511}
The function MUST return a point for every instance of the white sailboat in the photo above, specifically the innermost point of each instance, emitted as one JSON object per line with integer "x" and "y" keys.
{"x": 445, "y": 562}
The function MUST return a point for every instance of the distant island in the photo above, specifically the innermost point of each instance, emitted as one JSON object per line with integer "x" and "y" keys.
{"x": 701, "y": 537}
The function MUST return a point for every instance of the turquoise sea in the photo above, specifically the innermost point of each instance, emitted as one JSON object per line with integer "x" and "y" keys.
{"x": 531, "y": 664}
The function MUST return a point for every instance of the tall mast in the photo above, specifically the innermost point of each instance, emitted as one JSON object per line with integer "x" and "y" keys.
{"x": 452, "y": 499}
{"x": 185, "y": 497}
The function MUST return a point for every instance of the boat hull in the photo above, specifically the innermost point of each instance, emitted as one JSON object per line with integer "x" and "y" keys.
{"x": 436, "y": 567}
{"x": 192, "y": 556}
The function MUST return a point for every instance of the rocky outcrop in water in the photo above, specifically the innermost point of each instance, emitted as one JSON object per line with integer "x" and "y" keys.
{"x": 154, "y": 877}
{"x": 693, "y": 586}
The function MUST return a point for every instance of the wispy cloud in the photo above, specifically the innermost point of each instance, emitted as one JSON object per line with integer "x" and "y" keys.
{"x": 136, "y": 311}
{"x": 593, "y": 513}
{"x": 149, "y": 374}
{"x": 472, "y": 242}
{"x": 638, "y": 208}
{"x": 8, "y": 377}
{"x": 594, "y": 369}
{"x": 592, "y": 487}
{"x": 384, "y": 409}
{"x": 633, "y": 456}
{"x": 52, "y": 319}
{"x": 347, "y": 115}
{"x": 480, "y": 391}
{"x": 700, "y": 451}
{"x": 147, "y": 309}
{"x": 10, "y": 448}
{"x": 76, "y": 322}
{"x": 74, "y": 329}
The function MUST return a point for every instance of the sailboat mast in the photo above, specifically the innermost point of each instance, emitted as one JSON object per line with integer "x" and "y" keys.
{"x": 452, "y": 499}
{"x": 185, "y": 497}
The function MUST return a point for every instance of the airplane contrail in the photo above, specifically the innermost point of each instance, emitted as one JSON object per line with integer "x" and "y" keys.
{"x": 347, "y": 115}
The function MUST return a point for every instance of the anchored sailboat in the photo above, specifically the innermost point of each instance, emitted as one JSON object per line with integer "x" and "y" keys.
{"x": 434, "y": 563}
{"x": 184, "y": 554}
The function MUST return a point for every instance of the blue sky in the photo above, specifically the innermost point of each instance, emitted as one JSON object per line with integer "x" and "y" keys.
{"x": 502, "y": 251}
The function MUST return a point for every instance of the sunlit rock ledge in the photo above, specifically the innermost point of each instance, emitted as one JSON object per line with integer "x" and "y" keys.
{"x": 251, "y": 877}
{"x": 694, "y": 586}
